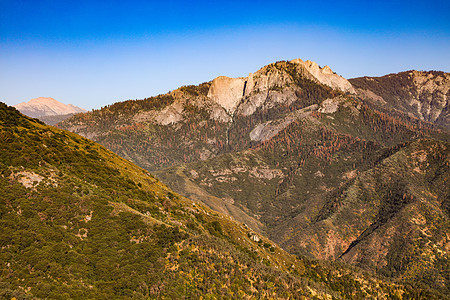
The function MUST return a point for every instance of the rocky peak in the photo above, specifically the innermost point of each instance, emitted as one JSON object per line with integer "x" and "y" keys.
{"x": 268, "y": 86}
{"x": 327, "y": 70}
{"x": 46, "y": 106}
{"x": 326, "y": 76}
{"x": 244, "y": 95}
{"x": 227, "y": 92}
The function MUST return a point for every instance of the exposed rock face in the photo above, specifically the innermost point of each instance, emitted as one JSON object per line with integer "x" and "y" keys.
{"x": 27, "y": 179}
{"x": 227, "y": 92}
{"x": 424, "y": 95}
{"x": 266, "y": 88}
{"x": 326, "y": 76}
{"x": 174, "y": 112}
{"x": 265, "y": 131}
{"x": 44, "y": 106}
{"x": 329, "y": 106}
{"x": 434, "y": 93}
{"x": 171, "y": 114}
{"x": 269, "y": 86}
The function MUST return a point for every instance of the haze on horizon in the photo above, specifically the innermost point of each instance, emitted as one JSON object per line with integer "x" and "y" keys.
{"x": 94, "y": 53}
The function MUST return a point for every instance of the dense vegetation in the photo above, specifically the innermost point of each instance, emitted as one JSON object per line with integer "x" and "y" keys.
{"x": 79, "y": 222}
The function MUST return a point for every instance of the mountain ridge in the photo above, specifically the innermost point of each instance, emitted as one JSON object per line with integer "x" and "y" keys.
{"x": 46, "y": 106}
{"x": 422, "y": 94}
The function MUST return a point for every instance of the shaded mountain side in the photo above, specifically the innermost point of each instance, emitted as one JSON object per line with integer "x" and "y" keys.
{"x": 424, "y": 95}
{"x": 180, "y": 181}
{"x": 80, "y": 222}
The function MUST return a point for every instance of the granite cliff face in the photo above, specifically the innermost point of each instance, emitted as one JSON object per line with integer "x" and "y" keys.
{"x": 269, "y": 86}
{"x": 45, "y": 106}
{"x": 326, "y": 76}
{"x": 424, "y": 95}
{"x": 227, "y": 92}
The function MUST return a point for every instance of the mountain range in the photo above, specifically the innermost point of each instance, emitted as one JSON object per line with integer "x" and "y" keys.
{"x": 344, "y": 170}
{"x": 291, "y": 182}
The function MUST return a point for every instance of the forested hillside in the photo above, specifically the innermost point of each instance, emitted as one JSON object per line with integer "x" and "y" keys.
{"x": 424, "y": 95}
{"x": 80, "y": 222}
{"x": 319, "y": 189}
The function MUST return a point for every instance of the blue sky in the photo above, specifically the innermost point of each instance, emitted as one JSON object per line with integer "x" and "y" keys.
{"x": 94, "y": 53}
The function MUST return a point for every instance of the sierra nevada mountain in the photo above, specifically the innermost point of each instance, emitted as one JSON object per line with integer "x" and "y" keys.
{"x": 48, "y": 109}
{"x": 326, "y": 167}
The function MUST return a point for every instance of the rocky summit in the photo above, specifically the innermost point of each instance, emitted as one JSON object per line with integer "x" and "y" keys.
{"x": 256, "y": 88}
{"x": 45, "y": 106}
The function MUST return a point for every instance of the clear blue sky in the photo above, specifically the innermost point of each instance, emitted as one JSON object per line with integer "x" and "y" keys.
{"x": 93, "y": 53}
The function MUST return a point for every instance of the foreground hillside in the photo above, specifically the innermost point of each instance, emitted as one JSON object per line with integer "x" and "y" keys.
{"x": 80, "y": 222}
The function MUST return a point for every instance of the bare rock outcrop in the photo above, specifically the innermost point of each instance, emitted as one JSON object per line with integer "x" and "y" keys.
{"x": 265, "y": 88}
{"x": 265, "y": 131}
{"x": 227, "y": 92}
{"x": 270, "y": 85}
{"x": 326, "y": 76}
{"x": 171, "y": 114}
{"x": 433, "y": 94}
